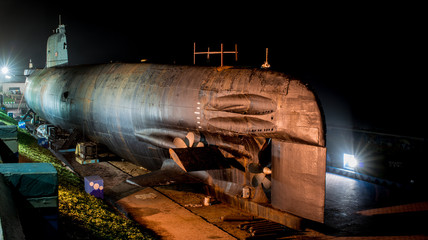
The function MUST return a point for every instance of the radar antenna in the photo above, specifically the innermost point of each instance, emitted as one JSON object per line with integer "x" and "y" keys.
{"x": 208, "y": 53}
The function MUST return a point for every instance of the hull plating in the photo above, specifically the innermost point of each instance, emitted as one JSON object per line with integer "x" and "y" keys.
{"x": 140, "y": 111}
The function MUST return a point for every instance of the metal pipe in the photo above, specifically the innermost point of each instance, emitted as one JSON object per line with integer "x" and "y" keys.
{"x": 221, "y": 55}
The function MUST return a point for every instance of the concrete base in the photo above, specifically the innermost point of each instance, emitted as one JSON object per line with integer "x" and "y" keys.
{"x": 265, "y": 211}
{"x": 167, "y": 218}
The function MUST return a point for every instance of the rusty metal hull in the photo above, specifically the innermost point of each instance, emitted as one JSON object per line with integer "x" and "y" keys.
{"x": 140, "y": 111}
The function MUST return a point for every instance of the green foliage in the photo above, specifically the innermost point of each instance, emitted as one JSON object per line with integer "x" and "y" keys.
{"x": 8, "y": 99}
{"x": 89, "y": 213}
{"x": 94, "y": 215}
{"x": 6, "y": 119}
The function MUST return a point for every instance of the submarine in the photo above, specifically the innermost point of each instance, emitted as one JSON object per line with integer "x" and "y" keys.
{"x": 255, "y": 136}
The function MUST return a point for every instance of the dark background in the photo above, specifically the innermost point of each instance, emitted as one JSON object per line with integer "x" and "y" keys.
{"x": 362, "y": 59}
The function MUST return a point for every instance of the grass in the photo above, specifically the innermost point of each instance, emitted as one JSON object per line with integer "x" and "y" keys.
{"x": 81, "y": 214}
{"x": 8, "y": 99}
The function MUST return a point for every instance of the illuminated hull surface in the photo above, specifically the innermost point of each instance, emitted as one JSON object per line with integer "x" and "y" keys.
{"x": 140, "y": 111}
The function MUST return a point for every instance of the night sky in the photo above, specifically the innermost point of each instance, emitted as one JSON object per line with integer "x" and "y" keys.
{"x": 360, "y": 59}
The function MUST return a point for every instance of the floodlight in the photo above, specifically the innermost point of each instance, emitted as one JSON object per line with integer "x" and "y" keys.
{"x": 4, "y": 70}
{"x": 349, "y": 161}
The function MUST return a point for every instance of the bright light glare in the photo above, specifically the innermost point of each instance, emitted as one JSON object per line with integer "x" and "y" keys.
{"x": 349, "y": 161}
{"x": 4, "y": 70}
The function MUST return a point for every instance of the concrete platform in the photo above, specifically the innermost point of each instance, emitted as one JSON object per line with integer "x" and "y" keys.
{"x": 167, "y": 218}
{"x": 149, "y": 207}
{"x": 360, "y": 209}
{"x": 354, "y": 209}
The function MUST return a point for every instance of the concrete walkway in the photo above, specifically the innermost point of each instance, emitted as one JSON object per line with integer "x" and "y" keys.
{"x": 167, "y": 218}
{"x": 147, "y": 206}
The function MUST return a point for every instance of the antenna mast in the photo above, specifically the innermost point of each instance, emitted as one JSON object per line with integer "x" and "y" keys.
{"x": 208, "y": 53}
{"x": 266, "y": 64}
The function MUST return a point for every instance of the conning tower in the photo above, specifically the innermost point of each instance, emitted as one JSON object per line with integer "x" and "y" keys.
{"x": 56, "y": 49}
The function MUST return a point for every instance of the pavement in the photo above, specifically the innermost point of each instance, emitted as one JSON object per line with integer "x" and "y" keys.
{"x": 167, "y": 218}
{"x": 354, "y": 209}
{"x": 148, "y": 206}
{"x": 358, "y": 209}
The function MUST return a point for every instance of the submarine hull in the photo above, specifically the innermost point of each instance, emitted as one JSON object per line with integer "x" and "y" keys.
{"x": 141, "y": 111}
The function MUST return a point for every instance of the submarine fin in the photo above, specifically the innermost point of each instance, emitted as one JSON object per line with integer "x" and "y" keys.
{"x": 56, "y": 48}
